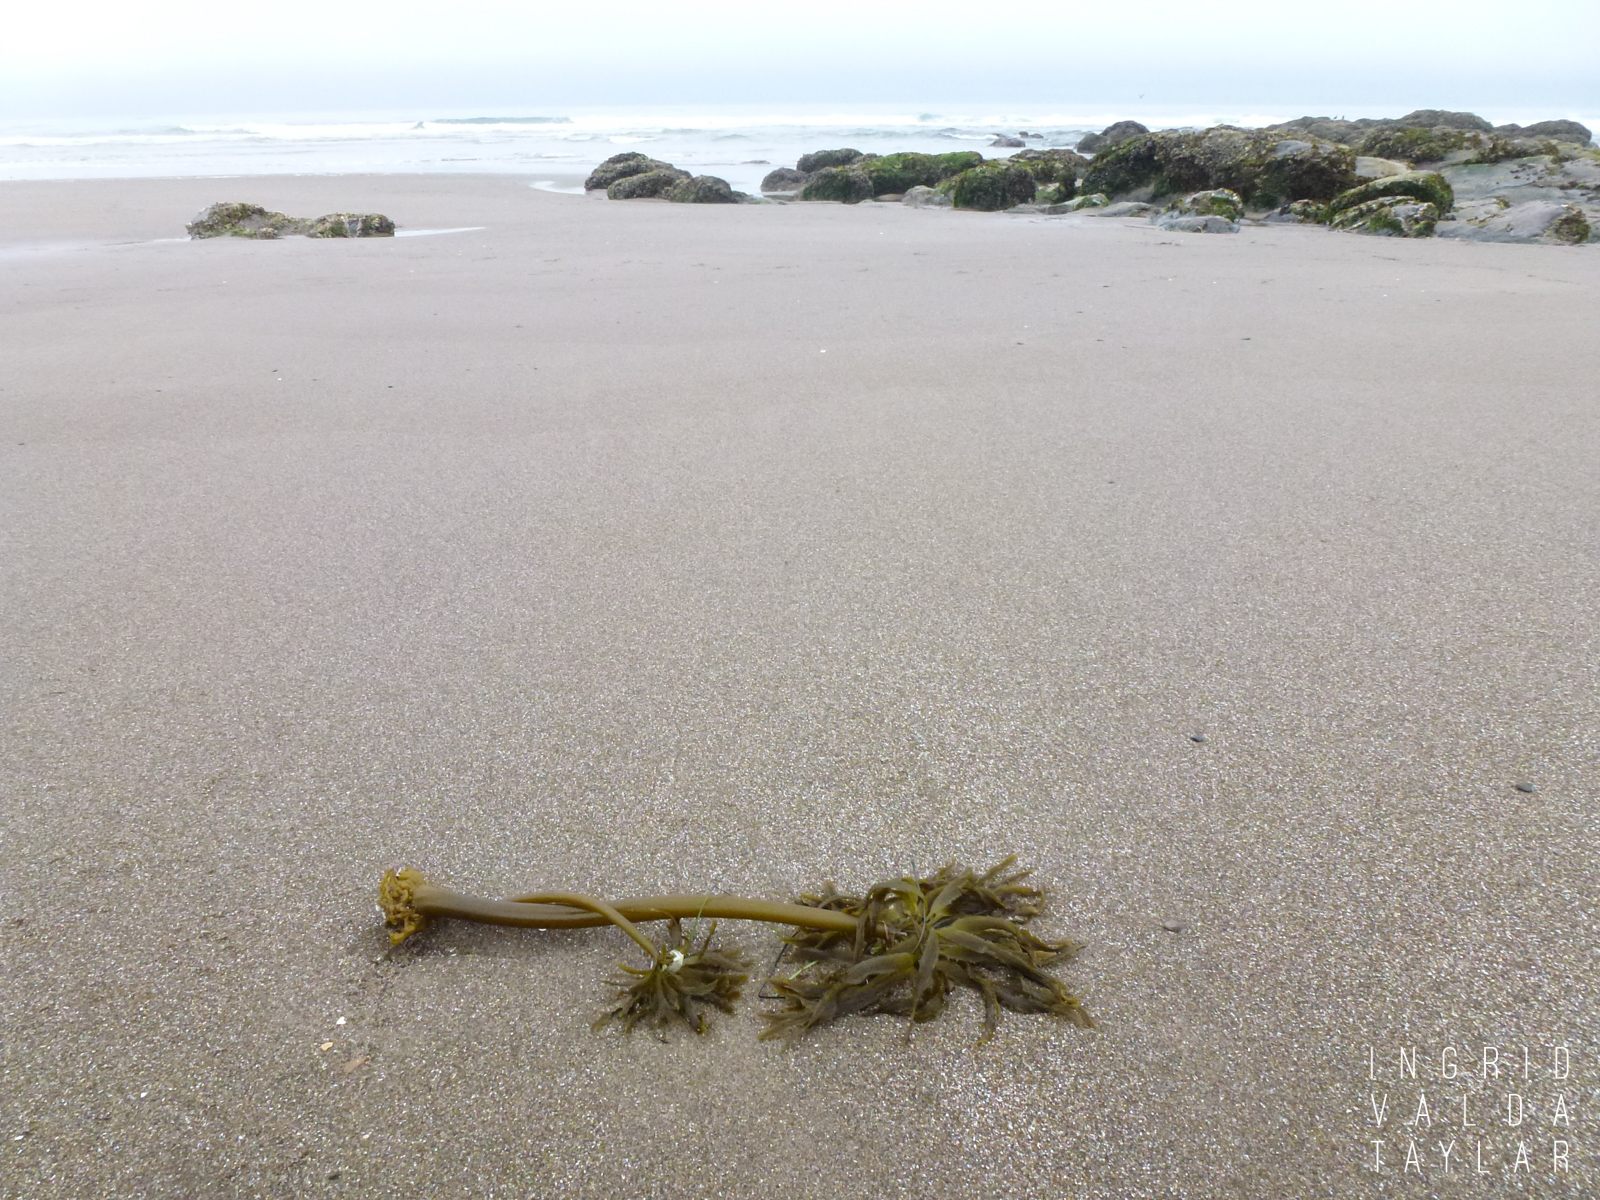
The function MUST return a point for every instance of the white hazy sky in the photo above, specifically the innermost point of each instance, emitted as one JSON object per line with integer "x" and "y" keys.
{"x": 91, "y": 57}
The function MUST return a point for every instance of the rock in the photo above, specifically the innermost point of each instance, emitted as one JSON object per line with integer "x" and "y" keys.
{"x": 1052, "y": 166}
{"x": 1219, "y": 202}
{"x": 783, "y": 181}
{"x": 848, "y": 185}
{"x": 1050, "y": 194}
{"x": 1301, "y": 212}
{"x": 702, "y": 189}
{"x": 818, "y": 159}
{"x": 351, "y": 225}
{"x": 1001, "y": 139}
{"x": 1098, "y": 200}
{"x": 992, "y": 187}
{"x": 1435, "y": 118}
{"x": 1531, "y": 221}
{"x": 927, "y": 197}
{"x": 1263, "y": 168}
{"x": 620, "y": 166}
{"x": 1428, "y": 186}
{"x": 1301, "y": 170}
{"x": 1526, "y": 788}
{"x": 1125, "y": 208}
{"x": 1182, "y": 223}
{"x": 1111, "y": 135}
{"x": 235, "y": 219}
{"x": 902, "y": 172}
{"x": 1421, "y": 145}
{"x": 1561, "y": 131}
{"x": 647, "y": 186}
{"x": 1368, "y": 167}
{"x": 1388, "y": 216}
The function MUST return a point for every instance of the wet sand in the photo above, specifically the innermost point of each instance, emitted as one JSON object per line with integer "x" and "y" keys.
{"x": 1234, "y": 582}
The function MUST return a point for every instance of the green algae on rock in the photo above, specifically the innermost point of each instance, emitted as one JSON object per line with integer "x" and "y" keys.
{"x": 1063, "y": 167}
{"x": 351, "y": 225}
{"x": 236, "y": 219}
{"x": 702, "y": 189}
{"x": 647, "y": 185}
{"x": 252, "y": 221}
{"x": 847, "y": 185}
{"x": 1388, "y": 216}
{"x": 1428, "y": 186}
{"x": 992, "y": 187}
{"x": 620, "y": 166}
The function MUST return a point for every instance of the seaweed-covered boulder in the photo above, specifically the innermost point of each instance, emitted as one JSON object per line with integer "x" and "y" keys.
{"x": 1111, "y": 135}
{"x": 899, "y": 173}
{"x": 848, "y": 185}
{"x": 1530, "y": 221}
{"x": 620, "y": 166}
{"x": 1052, "y": 193}
{"x": 351, "y": 225}
{"x": 1218, "y": 202}
{"x": 1052, "y": 166}
{"x": 647, "y": 186}
{"x": 236, "y": 219}
{"x": 1300, "y": 212}
{"x": 926, "y": 197}
{"x": 783, "y": 181}
{"x": 818, "y": 159}
{"x": 993, "y": 187}
{"x": 1098, "y": 200}
{"x": 1428, "y": 186}
{"x": 1416, "y": 144}
{"x": 1293, "y": 169}
{"x": 702, "y": 189}
{"x": 1388, "y": 216}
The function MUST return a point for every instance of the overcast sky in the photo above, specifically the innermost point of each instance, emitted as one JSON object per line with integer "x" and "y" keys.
{"x": 1352, "y": 57}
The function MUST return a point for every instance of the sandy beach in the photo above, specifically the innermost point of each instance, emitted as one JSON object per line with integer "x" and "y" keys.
{"x": 1233, "y": 582}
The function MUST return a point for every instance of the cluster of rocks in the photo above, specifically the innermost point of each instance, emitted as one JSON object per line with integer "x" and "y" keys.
{"x": 235, "y": 219}
{"x": 1429, "y": 173}
{"x": 635, "y": 176}
{"x": 962, "y": 179}
{"x": 1486, "y": 183}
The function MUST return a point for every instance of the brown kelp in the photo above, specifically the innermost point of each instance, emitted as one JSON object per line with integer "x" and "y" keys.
{"x": 915, "y": 940}
{"x": 899, "y": 949}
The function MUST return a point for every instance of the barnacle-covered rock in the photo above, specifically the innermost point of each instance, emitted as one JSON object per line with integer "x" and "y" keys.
{"x": 237, "y": 219}
{"x": 783, "y": 181}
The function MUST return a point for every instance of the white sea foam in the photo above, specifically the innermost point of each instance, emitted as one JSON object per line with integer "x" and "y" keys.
{"x": 741, "y": 145}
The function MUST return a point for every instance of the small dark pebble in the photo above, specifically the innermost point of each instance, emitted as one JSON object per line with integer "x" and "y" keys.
{"x": 1173, "y": 926}
{"x": 333, "y": 1174}
{"x": 1525, "y": 786}
{"x": 1197, "y": 737}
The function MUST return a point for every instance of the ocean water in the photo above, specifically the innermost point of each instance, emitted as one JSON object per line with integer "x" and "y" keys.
{"x": 553, "y": 149}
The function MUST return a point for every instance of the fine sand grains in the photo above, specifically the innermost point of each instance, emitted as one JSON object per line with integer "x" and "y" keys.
{"x": 1234, "y": 583}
